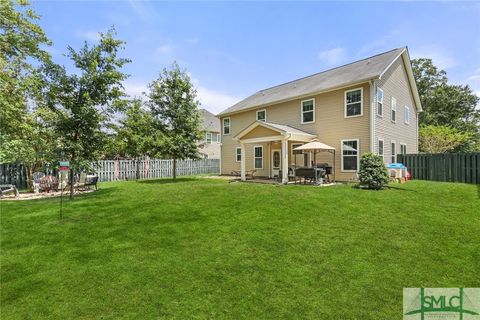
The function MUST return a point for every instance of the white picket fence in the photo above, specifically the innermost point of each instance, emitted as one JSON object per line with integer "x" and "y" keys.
{"x": 113, "y": 170}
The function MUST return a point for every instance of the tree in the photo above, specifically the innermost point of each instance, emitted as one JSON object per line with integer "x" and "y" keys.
{"x": 373, "y": 173}
{"x": 172, "y": 99}
{"x": 135, "y": 134}
{"x": 445, "y": 104}
{"x": 442, "y": 139}
{"x": 20, "y": 48}
{"x": 84, "y": 101}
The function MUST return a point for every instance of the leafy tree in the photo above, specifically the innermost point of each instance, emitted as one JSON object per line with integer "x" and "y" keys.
{"x": 135, "y": 134}
{"x": 172, "y": 99}
{"x": 442, "y": 139}
{"x": 445, "y": 104}
{"x": 20, "y": 48}
{"x": 373, "y": 173}
{"x": 85, "y": 100}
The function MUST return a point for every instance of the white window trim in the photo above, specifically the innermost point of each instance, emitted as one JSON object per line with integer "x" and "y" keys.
{"x": 403, "y": 145}
{"x": 236, "y": 154}
{"x": 383, "y": 103}
{"x": 406, "y": 111}
{"x": 219, "y": 137}
{"x": 341, "y": 154}
{"x": 383, "y": 147}
{"x": 256, "y": 115}
{"x": 301, "y": 111}
{"x": 254, "y": 157}
{"x": 229, "y": 126}
{"x": 393, "y": 109}
{"x": 393, "y": 152}
{"x": 345, "y": 103}
{"x": 211, "y": 137}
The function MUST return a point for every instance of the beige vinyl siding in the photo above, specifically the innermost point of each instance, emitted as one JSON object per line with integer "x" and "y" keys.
{"x": 330, "y": 126}
{"x": 395, "y": 83}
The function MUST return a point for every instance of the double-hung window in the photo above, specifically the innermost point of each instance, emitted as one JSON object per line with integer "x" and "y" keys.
{"x": 258, "y": 157}
{"x": 308, "y": 111}
{"x": 394, "y": 109}
{"x": 219, "y": 137}
{"x": 350, "y": 155}
{"x": 353, "y": 102}
{"x": 380, "y": 147}
{"x": 379, "y": 102}
{"x": 403, "y": 148}
{"x": 406, "y": 115}
{"x": 238, "y": 154}
{"x": 394, "y": 152}
{"x": 209, "y": 137}
{"x": 262, "y": 115}
{"x": 226, "y": 126}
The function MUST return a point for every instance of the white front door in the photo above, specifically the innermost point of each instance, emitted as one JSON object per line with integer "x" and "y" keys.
{"x": 276, "y": 161}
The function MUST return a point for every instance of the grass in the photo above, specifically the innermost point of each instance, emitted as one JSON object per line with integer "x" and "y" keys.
{"x": 207, "y": 249}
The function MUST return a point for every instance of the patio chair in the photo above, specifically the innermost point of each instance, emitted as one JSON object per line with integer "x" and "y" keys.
{"x": 37, "y": 176}
{"x": 80, "y": 185}
{"x": 8, "y": 188}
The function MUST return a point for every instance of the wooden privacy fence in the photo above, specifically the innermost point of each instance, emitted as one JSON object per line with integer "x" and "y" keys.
{"x": 449, "y": 167}
{"x": 112, "y": 170}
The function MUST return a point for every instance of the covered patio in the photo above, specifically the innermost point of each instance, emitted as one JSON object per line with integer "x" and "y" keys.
{"x": 272, "y": 148}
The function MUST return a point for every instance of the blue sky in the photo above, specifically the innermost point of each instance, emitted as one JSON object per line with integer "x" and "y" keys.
{"x": 233, "y": 49}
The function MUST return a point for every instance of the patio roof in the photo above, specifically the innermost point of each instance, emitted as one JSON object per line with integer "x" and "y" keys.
{"x": 284, "y": 132}
{"x": 315, "y": 144}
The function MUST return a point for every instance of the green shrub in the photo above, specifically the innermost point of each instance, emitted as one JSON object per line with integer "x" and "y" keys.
{"x": 372, "y": 174}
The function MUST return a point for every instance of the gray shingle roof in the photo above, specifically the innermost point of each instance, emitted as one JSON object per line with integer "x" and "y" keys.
{"x": 351, "y": 73}
{"x": 210, "y": 121}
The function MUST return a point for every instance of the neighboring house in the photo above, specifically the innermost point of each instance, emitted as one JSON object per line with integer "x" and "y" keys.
{"x": 370, "y": 105}
{"x": 211, "y": 144}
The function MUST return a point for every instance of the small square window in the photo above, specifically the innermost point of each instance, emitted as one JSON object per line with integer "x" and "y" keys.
{"x": 262, "y": 115}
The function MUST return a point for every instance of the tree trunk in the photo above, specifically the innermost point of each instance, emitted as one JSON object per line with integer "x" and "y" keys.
{"x": 174, "y": 173}
{"x": 29, "y": 177}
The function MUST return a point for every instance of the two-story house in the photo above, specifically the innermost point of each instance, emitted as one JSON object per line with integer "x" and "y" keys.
{"x": 370, "y": 105}
{"x": 211, "y": 146}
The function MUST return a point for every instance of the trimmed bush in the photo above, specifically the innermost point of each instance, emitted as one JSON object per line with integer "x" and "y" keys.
{"x": 372, "y": 174}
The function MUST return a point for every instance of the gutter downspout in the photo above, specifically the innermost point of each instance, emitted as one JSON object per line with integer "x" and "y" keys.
{"x": 373, "y": 87}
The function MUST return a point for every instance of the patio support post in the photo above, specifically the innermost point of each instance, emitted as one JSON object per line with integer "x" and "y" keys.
{"x": 242, "y": 165}
{"x": 284, "y": 161}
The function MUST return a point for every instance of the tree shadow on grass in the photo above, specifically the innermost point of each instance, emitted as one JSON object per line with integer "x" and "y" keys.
{"x": 167, "y": 181}
{"x": 478, "y": 190}
{"x": 399, "y": 188}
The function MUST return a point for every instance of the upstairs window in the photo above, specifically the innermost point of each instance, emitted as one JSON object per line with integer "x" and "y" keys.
{"x": 226, "y": 126}
{"x": 262, "y": 115}
{"x": 219, "y": 137}
{"x": 394, "y": 109}
{"x": 308, "y": 111}
{"x": 406, "y": 115}
{"x": 209, "y": 137}
{"x": 354, "y": 102}
{"x": 379, "y": 102}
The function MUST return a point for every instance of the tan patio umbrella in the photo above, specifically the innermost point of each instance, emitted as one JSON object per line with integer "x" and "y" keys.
{"x": 314, "y": 146}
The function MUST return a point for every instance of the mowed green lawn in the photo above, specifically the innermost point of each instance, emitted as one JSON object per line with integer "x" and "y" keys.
{"x": 208, "y": 249}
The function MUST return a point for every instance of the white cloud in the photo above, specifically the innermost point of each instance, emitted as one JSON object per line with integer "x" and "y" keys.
{"x": 165, "y": 49}
{"x": 215, "y": 101}
{"x": 93, "y": 36}
{"x": 210, "y": 99}
{"x": 439, "y": 56}
{"x": 333, "y": 56}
